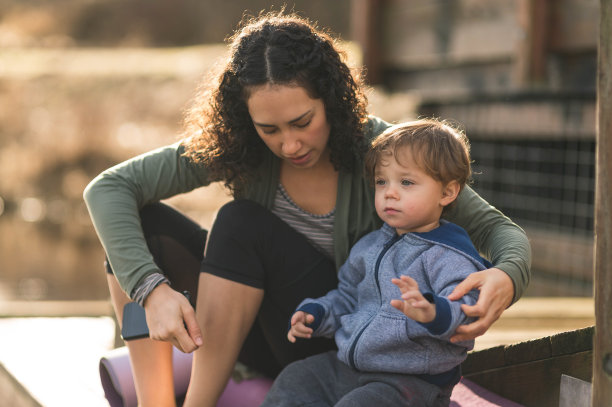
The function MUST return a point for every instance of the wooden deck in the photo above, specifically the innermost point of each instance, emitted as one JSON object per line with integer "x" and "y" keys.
{"x": 537, "y": 317}
{"x": 524, "y": 354}
{"x": 64, "y": 340}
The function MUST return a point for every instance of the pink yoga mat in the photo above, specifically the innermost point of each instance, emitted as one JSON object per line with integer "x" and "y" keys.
{"x": 468, "y": 394}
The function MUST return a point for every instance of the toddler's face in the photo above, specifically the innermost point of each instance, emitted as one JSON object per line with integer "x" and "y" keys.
{"x": 407, "y": 198}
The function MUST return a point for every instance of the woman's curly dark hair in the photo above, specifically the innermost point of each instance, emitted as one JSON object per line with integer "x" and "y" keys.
{"x": 275, "y": 48}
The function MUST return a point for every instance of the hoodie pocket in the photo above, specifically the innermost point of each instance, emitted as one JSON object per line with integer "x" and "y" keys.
{"x": 386, "y": 346}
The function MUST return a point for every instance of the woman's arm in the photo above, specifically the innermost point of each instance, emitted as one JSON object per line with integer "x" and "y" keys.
{"x": 499, "y": 239}
{"x": 506, "y": 245}
{"x": 115, "y": 197}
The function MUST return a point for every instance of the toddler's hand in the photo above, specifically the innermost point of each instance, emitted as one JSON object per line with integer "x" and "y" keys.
{"x": 413, "y": 304}
{"x": 299, "y": 328}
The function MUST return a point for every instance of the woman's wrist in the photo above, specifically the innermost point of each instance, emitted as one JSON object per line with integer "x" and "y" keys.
{"x": 501, "y": 270}
{"x": 147, "y": 285}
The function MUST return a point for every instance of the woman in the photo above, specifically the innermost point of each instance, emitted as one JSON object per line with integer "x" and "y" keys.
{"x": 284, "y": 126}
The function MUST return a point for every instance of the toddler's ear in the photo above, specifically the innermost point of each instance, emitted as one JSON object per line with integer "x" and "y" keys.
{"x": 449, "y": 193}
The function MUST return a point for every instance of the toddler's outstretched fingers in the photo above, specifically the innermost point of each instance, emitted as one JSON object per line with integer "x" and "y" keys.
{"x": 400, "y": 283}
{"x": 398, "y": 304}
{"x": 409, "y": 281}
{"x": 417, "y": 303}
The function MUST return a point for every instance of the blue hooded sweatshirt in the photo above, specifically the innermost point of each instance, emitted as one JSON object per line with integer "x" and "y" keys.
{"x": 372, "y": 335}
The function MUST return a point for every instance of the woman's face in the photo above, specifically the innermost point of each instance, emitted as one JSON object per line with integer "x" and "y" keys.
{"x": 292, "y": 124}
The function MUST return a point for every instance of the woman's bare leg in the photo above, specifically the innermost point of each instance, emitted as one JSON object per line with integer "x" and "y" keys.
{"x": 225, "y": 312}
{"x": 151, "y": 360}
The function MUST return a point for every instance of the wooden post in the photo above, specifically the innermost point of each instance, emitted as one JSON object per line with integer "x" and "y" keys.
{"x": 534, "y": 17}
{"x": 365, "y": 30}
{"x": 602, "y": 345}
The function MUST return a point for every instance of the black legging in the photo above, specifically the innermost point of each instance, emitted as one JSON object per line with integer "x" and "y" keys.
{"x": 250, "y": 245}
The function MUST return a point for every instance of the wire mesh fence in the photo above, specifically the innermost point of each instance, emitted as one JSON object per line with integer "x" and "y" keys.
{"x": 545, "y": 184}
{"x": 534, "y": 159}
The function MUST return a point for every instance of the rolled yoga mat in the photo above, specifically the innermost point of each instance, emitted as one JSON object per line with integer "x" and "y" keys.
{"x": 118, "y": 383}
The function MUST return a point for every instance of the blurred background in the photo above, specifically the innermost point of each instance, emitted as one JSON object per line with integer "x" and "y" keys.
{"x": 87, "y": 84}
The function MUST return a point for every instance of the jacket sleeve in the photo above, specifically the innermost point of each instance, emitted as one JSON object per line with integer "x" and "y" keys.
{"x": 446, "y": 269}
{"x": 499, "y": 239}
{"x": 328, "y": 309}
{"x": 115, "y": 196}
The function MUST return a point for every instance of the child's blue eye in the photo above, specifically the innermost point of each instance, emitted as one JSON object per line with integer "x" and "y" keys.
{"x": 406, "y": 182}
{"x": 379, "y": 182}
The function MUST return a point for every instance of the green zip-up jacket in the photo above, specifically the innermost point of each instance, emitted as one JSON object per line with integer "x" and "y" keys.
{"x": 115, "y": 196}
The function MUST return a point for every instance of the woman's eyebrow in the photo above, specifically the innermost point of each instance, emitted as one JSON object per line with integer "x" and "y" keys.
{"x": 297, "y": 119}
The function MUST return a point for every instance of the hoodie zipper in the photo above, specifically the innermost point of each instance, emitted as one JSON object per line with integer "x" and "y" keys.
{"x": 386, "y": 247}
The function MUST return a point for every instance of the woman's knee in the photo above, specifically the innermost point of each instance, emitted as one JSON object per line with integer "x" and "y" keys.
{"x": 159, "y": 219}
{"x": 240, "y": 214}
{"x": 241, "y": 223}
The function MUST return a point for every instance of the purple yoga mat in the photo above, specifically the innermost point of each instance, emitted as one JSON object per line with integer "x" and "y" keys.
{"x": 118, "y": 384}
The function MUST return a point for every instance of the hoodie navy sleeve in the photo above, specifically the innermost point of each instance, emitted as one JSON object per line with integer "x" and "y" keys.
{"x": 446, "y": 269}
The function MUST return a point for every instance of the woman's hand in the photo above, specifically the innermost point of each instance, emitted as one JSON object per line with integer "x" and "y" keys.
{"x": 171, "y": 318}
{"x": 496, "y": 293}
{"x": 299, "y": 320}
